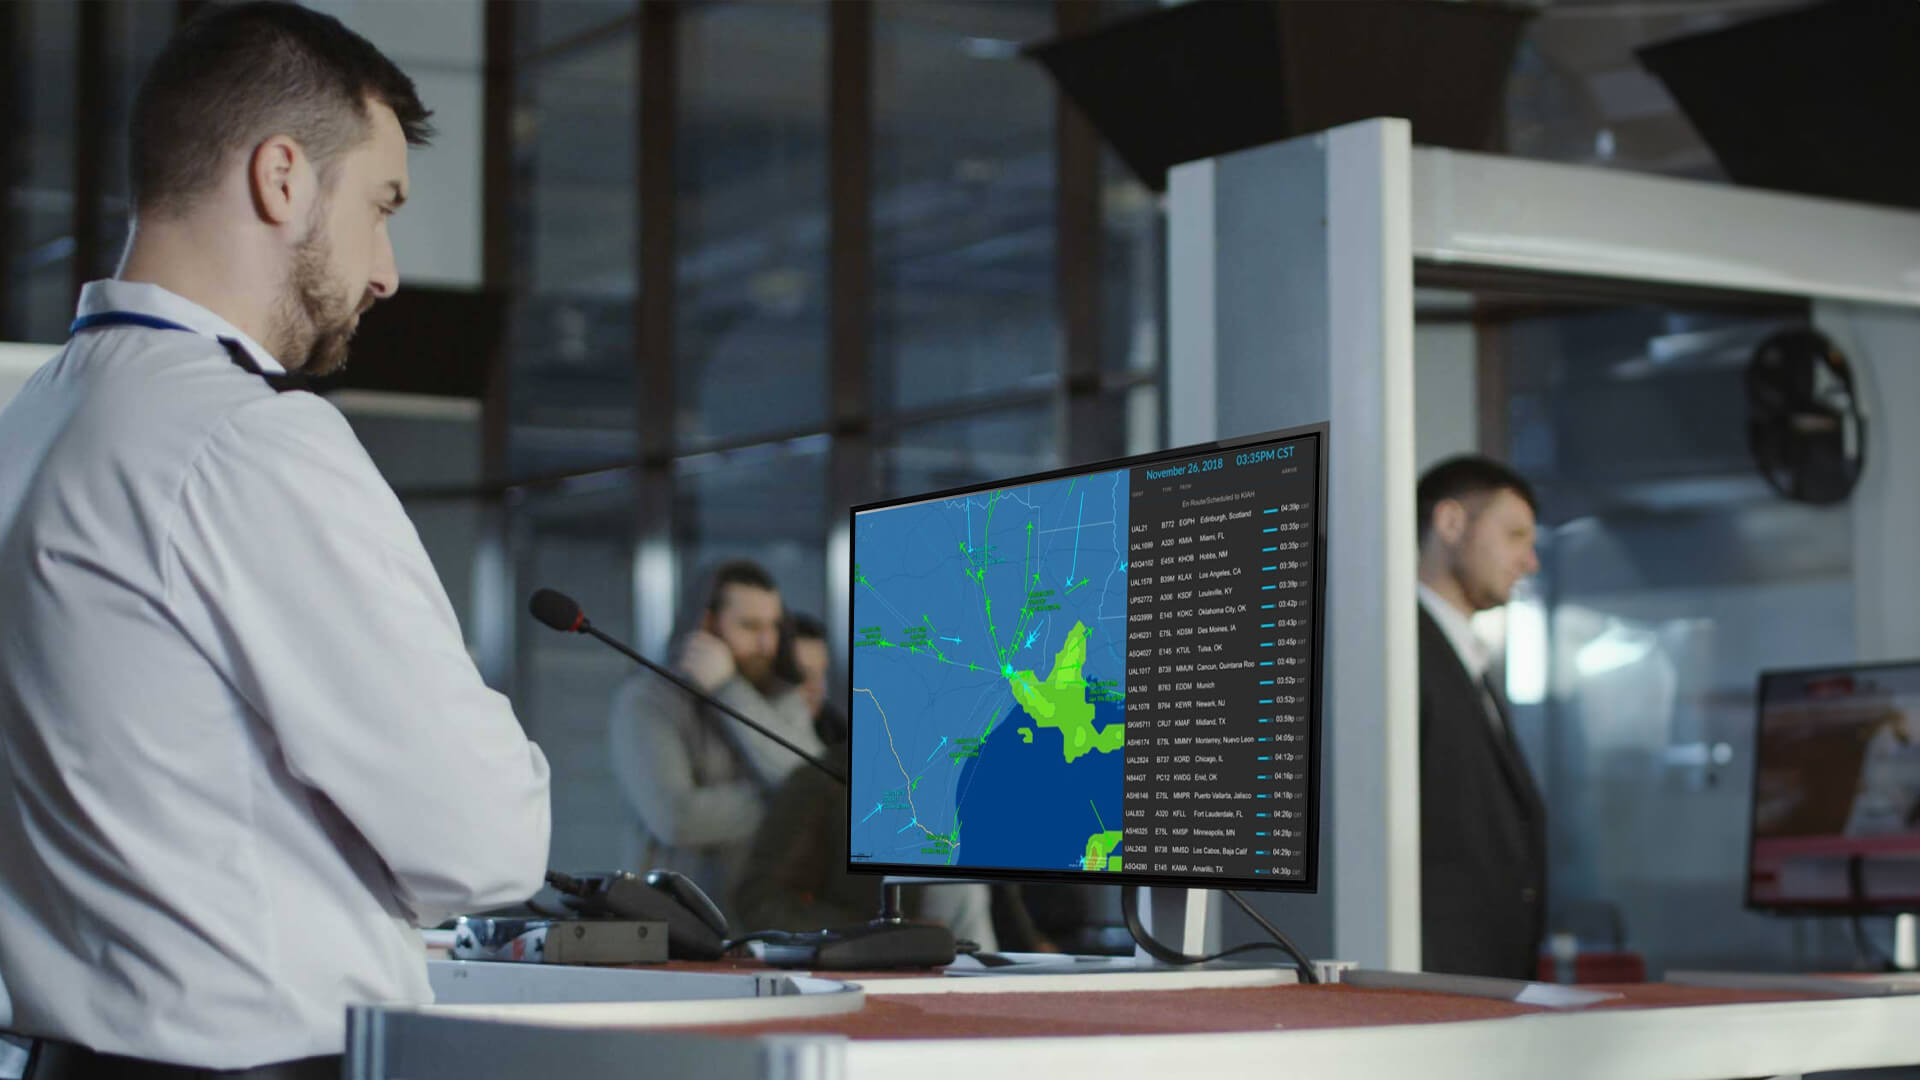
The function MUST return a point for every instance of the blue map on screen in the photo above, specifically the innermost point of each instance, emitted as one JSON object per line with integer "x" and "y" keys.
{"x": 989, "y": 677}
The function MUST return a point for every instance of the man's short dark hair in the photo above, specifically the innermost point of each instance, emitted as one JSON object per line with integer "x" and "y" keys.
{"x": 736, "y": 572}
{"x": 1464, "y": 477}
{"x": 236, "y": 75}
{"x": 800, "y": 627}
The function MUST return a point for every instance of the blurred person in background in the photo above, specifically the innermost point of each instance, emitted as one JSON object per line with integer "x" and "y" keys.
{"x": 1483, "y": 827}
{"x": 699, "y": 780}
{"x": 796, "y": 877}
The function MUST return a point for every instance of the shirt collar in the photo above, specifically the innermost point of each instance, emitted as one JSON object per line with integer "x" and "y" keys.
{"x": 147, "y": 299}
{"x": 1473, "y": 652}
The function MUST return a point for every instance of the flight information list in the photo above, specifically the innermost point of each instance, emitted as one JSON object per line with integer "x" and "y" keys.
{"x": 1219, "y": 651}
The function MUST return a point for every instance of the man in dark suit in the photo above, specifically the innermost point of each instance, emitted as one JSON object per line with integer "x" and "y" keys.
{"x": 1483, "y": 829}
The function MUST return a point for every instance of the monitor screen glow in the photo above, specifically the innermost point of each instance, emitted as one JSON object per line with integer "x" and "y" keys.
{"x": 1108, "y": 673}
{"x": 1836, "y": 796}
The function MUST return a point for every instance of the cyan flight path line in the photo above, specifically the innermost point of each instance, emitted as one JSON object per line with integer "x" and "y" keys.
{"x": 1077, "y": 519}
{"x": 1023, "y": 639}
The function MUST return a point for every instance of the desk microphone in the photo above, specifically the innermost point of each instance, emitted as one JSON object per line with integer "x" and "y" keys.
{"x": 886, "y": 942}
{"x": 562, "y": 613}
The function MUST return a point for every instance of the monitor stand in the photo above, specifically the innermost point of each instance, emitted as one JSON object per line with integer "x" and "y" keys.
{"x": 1182, "y": 915}
{"x": 893, "y": 941}
{"x": 1189, "y": 910}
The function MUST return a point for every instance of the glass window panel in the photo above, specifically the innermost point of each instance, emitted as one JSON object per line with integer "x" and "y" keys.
{"x": 964, "y": 202}
{"x": 580, "y": 542}
{"x": 767, "y": 503}
{"x": 574, "y": 390}
{"x": 1670, "y": 577}
{"x": 751, "y": 218}
{"x": 1133, "y": 270}
{"x": 972, "y": 449}
{"x": 550, "y": 23}
{"x": 428, "y": 445}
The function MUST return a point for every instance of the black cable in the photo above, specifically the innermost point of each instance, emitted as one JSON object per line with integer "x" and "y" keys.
{"x": 1300, "y": 958}
{"x": 1130, "y": 909}
{"x": 1865, "y": 952}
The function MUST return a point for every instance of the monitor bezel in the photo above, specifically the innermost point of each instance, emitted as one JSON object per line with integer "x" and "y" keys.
{"x": 1814, "y": 907}
{"x": 1316, "y": 695}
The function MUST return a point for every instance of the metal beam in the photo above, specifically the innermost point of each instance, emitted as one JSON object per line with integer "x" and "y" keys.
{"x": 657, "y": 150}
{"x": 850, "y": 212}
{"x": 13, "y": 139}
{"x": 657, "y": 146}
{"x": 999, "y": 401}
{"x": 91, "y": 72}
{"x": 1078, "y": 260}
{"x": 496, "y": 220}
{"x": 495, "y": 583}
{"x": 851, "y": 458}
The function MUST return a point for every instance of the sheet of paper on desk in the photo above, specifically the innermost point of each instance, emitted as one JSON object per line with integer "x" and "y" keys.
{"x": 1556, "y": 996}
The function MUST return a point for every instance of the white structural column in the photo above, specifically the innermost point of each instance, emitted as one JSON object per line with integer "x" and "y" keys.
{"x": 1373, "y": 667}
{"x": 1291, "y": 302}
{"x": 1883, "y": 344}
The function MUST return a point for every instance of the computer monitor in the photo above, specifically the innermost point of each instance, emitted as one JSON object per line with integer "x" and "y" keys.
{"x": 1836, "y": 791}
{"x": 1106, "y": 674}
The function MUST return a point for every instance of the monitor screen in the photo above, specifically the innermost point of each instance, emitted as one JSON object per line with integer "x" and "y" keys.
{"x": 1106, "y": 673}
{"x": 1836, "y": 792}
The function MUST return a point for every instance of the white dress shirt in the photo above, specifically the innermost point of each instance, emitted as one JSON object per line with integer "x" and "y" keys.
{"x": 1472, "y": 650}
{"x": 243, "y": 751}
{"x": 1458, "y": 627}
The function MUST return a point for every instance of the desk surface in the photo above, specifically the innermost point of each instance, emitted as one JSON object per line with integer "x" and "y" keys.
{"x": 1012, "y": 1013}
{"x": 906, "y": 1027}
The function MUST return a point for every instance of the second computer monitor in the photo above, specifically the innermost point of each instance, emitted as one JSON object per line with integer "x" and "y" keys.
{"x": 1108, "y": 673}
{"x": 1836, "y": 793}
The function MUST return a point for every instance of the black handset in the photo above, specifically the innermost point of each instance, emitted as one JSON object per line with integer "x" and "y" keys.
{"x": 696, "y": 928}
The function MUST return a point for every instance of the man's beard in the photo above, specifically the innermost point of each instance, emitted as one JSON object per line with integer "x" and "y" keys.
{"x": 313, "y": 321}
{"x": 1479, "y": 594}
{"x": 758, "y": 670}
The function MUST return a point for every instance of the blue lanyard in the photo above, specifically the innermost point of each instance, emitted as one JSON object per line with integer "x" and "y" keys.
{"x": 241, "y": 359}
{"x": 125, "y": 318}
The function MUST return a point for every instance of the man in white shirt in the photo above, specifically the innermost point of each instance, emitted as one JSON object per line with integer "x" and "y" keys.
{"x": 698, "y": 780}
{"x": 1483, "y": 855}
{"x": 243, "y": 751}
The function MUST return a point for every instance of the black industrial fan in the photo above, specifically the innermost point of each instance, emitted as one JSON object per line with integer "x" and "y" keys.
{"x": 1804, "y": 423}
